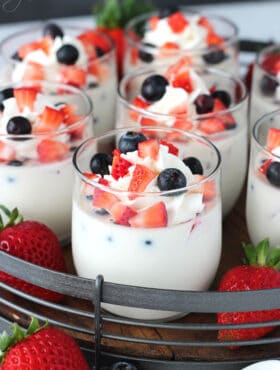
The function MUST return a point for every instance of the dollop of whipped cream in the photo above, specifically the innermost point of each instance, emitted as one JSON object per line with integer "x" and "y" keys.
{"x": 181, "y": 207}
{"x": 192, "y": 37}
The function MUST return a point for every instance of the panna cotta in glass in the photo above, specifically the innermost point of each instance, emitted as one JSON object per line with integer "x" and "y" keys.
{"x": 41, "y": 124}
{"x": 144, "y": 205}
{"x": 69, "y": 55}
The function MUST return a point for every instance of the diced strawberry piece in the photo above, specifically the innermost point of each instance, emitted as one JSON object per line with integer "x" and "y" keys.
{"x": 226, "y": 117}
{"x": 273, "y": 138}
{"x": 68, "y": 110}
{"x": 182, "y": 124}
{"x": 33, "y": 71}
{"x": 7, "y": 153}
{"x": 179, "y": 109}
{"x": 141, "y": 177}
{"x": 184, "y": 81}
{"x": 104, "y": 199}
{"x": 95, "y": 39}
{"x": 153, "y": 21}
{"x": 134, "y": 56}
{"x": 103, "y": 181}
{"x": 146, "y": 121}
{"x": 177, "y": 22}
{"x": 173, "y": 70}
{"x": 87, "y": 188}
{"x": 73, "y": 75}
{"x": 51, "y": 150}
{"x": 25, "y": 49}
{"x": 88, "y": 45}
{"x": 218, "y": 105}
{"x": 46, "y": 44}
{"x": 122, "y": 213}
{"x": 139, "y": 103}
{"x": 204, "y": 22}
{"x": 208, "y": 188}
{"x": 213, "y": 39}
{"x": 154, "y": 216}
{"x": 91, "y": 176}
{"x": 168, "y": 48}
{"x": 99, "y": 70}
{"x": 212, "y": 125}
{"x": 49, "y": 120}
{"x": 76, "y": 132}
{"x": 271, "y": 63}
{"x": 25, "y": 97}
{"x": 120, "y": 166}
{"x": 148, "y": 148}
{"x": 263, "y": 168}
{"x": 172, "y": 149}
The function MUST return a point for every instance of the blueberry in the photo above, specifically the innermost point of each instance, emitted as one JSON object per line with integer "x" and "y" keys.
{"x": 100, "y": 162}
{"x": 53, "y": 30}
{"x": 166, "y": 12}
{"x": 144, "y": 55}
{"x": 223, "y": 96}
{"x": 194, "y": 165}
{"x": 204, "y": 103}
{"x": 19, "y": 125}
{"x": 230, "y": 126}
{"x": 268, "y": 85}
{"x": 15, "y": 163}
{"x": 170, "y": 179}
{"x": 6, "y": 94}
{"x": 99, "y": 52}
{"x": 273, "y": 173}
{"x": 214, "y": 57}
{"x": 67, "y": 54}
{"x": 153, "y": 88}
{"x": 129, "y": 141}
{"x": 2, "y": 107}
{"x": 16, "y": 57}
{"x": 122, "y": 366}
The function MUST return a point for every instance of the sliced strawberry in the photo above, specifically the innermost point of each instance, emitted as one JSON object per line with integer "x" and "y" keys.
{"x": 168, "y": 48}
{"x": 25, "y": 97}
{"x": 7, "y": 153}
{"x": 153, "y": 22}
{"x": 177, "y": 22}
{"x": 271, "y": 63}
{"x": 95, "y": 39}
{"x": 51, "y": 150}
{"x": 179, "y": 109}
{"x": 139, "y": 103}
{"x": 148, "y": 148}
{"x": 146, "y": 121}
{"x": 181, "y": 124}
{"x": 141, "y": 177}
{"x": 204, "y": 22}
{"x": 154, "y": 216}
{"x": 273, "y": 138}
{"x": 183, "y": 80}
{"x": 207, "y": 188}
{"x": 49, "y": 120}
{"x": 104, "y": 199}
{"x": 264, "y": 166}
{"x": 213, "y": 39}
{"x": 99, "y": 70}
{"x": 174, "y": 69}
{"x": 33, "y": 71}
{"x": 25, "y": 49}
{"x": 88, "y": 45}
{"x": 46, "y": 44}
{"x": 226, "y": 117}
{"x": 212, "y": 125}
{"x": 73, "y": 75}
{"x": 134, "y": 56}
{"x": 122, "y": 213}
{"x": 78, "y": 131}
{"x": 172, "y": 149}
{"x": 120, "y": 166}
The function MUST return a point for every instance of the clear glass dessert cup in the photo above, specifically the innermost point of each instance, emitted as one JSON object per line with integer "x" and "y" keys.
{"x": 263, "y": 189}
{"x": 232, "y": 143}
{"x": 265, "y": 92}
{"x": 141, "y": 54}
{"x": 182, "y": 255}
{"x": 36, "y": 173}
{"x": 99, "y": 80}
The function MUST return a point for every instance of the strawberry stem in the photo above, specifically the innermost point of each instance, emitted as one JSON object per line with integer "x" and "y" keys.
{"x": 262, "y": 255}
{"x": 13, "y": 217}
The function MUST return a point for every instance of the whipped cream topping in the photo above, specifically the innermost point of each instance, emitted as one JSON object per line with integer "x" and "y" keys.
{"x": 276, "y": 151}
{"x": 192, "y": 37}
{"x": 180, "y": 208}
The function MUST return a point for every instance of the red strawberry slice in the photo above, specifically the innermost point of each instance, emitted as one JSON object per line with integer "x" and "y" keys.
{"x": 181, "y": 124}
{"x": 177, "y": 22}
{"x": 213, "y": 39}
{"x": 51, "y": 150}
{"x": 141, "y": 177}
{"x": 95, "y": 39}
{"x": 204, "y": 22}
{"x": 25, "y": 97}
{"x": 272, "y": 63}
{"x": 226, "y": 117}
{"x": 49, "y": 120}
{"x": 172, "y": 149}
{"x": 73, "y": 75}
{"x": 273, "y": 138}
{"x": 120, "y": 166}
{"x": 133, "y": 58}
{"x": 33, "y": 72}
{"x": 46, "y": 44}
{"x": 104, "y": 199}
{"x": 88, "y": 45}
{"x": 168, "y": 48}
{"x": 207, "y": 188}
{"x": 138, "y": 102}
{"x": 153, "y": 22}
{"x": 183, "y": 80}
{"x": 148, "y": 148}
{"x": 154, "y": 216}
{"x": 99, "y": 70}
{"x": 25, "y": 49}
{"x": 266, "y": 164}
{"x": 7, "y": 153}
{"x": 212, "y": 125}
{"x": 146, "y": 121}
{"x": 122, "y": 213}
{"x": 178, "y": 67}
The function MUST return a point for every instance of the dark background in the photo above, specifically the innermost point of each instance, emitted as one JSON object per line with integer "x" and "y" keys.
{"x": 20, "y": 10}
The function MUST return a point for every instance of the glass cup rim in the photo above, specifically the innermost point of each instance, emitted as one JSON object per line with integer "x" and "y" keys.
{"x": 38, "y": 27}
{"x": 267, "y": 50}
{"x": 149, "y": 128}
{"x": 138, "y": 72}
{"x": 264, "y": 118}
{"x": 202, "y": 50}
{"x": 61, "y": 131}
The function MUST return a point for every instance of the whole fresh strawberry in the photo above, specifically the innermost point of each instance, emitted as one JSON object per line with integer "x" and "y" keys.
{"x": 33, "y": 242}
{"x": 111, "y": 18}
{"x": 261, "y": 272}
{"x": 44, "y": 348}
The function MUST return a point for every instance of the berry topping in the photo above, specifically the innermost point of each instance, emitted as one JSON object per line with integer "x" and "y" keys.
{"x": 7, "y": 153}
{"x": 33, "y": 72}
{"x": 148, "y": 148}
{"x": 120, "y": 165}
{"x": 183, "y": 80}
{"x": 153, "y": 87}
{"x": 73, "y": 75}
{"x": 214, "y": 57}
{"x": 153, "y": 22}
{"x": 122, "y": 213}
{"x": 52, "y": 30}
{"x": 99, "y": 52}
{"x": 268, "y": 85}
{"x": 194, "y": 165}
{"x": 172, "y": 149}
{"x": 212, "y": 125}
{"x": 167, "y": 11}
{"x": 67, "y": 54}
{"x": 177, "y": 22}
{"x": 273, "y": 138}
{"x": 51, "y": 150}
{"x": 204, "y": 104}
{"x": 143, "y": 54}
{"x": 170, "y": 179}
{"x": 273, "y": 173}
{"x": 15, "y": 163}
{"x": 49, "y": 120}
{"x": 25, "y": 97}
{"x": 6, "y": 94}
{"x": 223, "y": 96}
{"x": 154, "y": 216}
{"x": 139, "y": 102}
{"x": 129, "y": 141}
{"x": 19, "y": 125}
{"x": 100, "y": 163}
{"x": 141, "y": 178}
{"x": 104, "y": 199}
